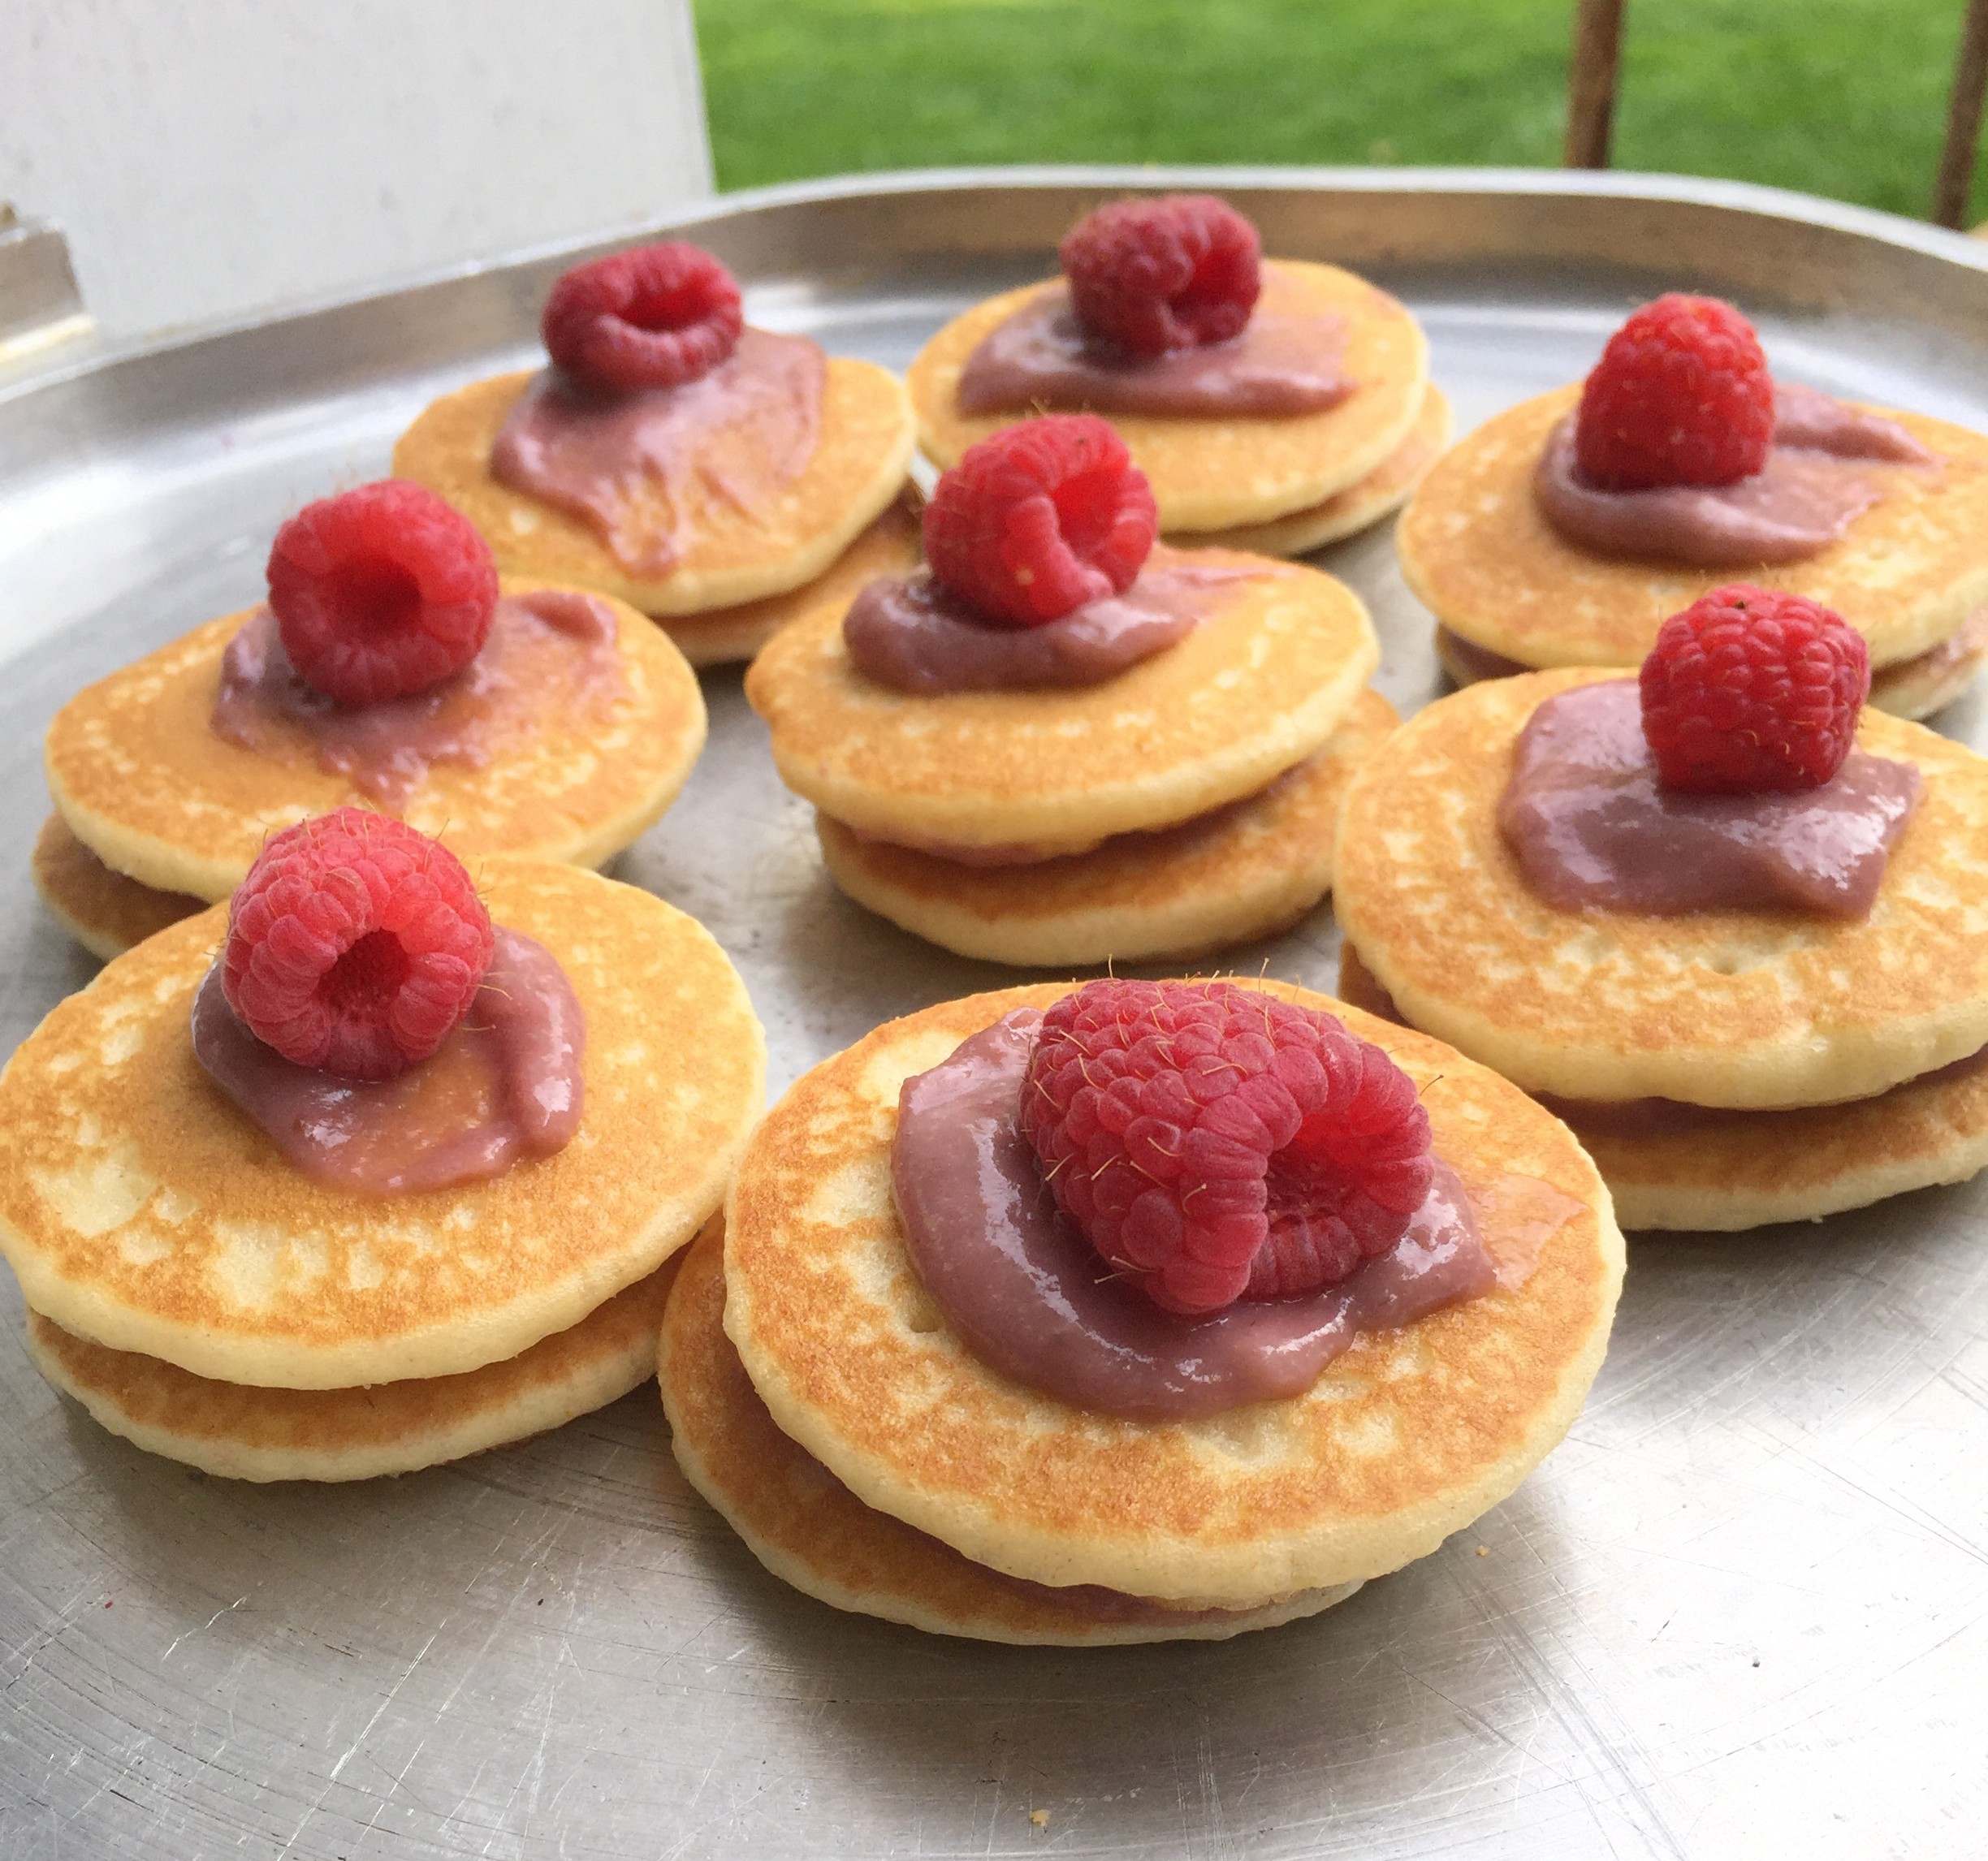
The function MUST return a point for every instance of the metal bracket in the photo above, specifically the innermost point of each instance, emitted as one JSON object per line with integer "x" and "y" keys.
{"x": 40, "y": 304}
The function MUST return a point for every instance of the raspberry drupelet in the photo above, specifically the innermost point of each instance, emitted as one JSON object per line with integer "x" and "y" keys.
{"x": 1214, "y": 1142}
{"x": 1681, "y": 396}
{"x": 1173, "y": 273}
{"x": 1040, "y": 518}
{"x": 381, "y": 592}
{"x": 656, "y": 316}
{"x": 1748, "y": 691}
{"x": 355, "y": 945}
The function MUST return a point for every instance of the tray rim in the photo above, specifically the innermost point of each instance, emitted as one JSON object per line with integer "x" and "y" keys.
{"x": 1788, "y": 205}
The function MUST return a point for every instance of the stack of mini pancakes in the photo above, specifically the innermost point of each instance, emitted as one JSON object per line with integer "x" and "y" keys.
{"x": 819, "y": 1399}
{"x": 1281, "y": 485}
{"x": 202, "y": 1297}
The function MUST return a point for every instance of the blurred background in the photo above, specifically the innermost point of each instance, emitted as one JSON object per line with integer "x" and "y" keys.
{"x": 212, "y": 159}
{"x": 1844, "y": 98}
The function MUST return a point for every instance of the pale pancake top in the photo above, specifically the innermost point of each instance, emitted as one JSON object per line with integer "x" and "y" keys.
{"x": 1408, "y": 1436}
{"x": 139, "y": 1208}
{"x": 240, "y": 1431}
{"x": 1386, "y": 488}
{"x": 138, "y": 773}
{"x": 103, "y": 910}
{"x": 721, "y": 635}
{"x": 808, "y": 1528}
{"x": 1210, "y": 474}
{"x": 734, "y": 554}
{"x": 1256, "y": 688}
{"x": 1743, "y": 1009}
{"x": 1476, "y": 550}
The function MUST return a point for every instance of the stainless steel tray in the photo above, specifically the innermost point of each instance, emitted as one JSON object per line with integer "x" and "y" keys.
{"x": 1741, "y": 1611}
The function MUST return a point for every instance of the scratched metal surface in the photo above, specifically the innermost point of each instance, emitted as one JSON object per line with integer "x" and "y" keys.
{"x": 1740, "y": 1611}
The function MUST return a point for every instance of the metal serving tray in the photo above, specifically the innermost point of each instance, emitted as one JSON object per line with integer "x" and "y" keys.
{"x": 1741, "y": 1611}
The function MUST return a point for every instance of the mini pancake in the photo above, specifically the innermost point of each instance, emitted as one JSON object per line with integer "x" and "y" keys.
{"x": 142, "y": 780}
{"x": 140, "y": 1209}
{"x": 1914, "y": 687}
{"x": 241, "y": 1432}
{"x": 1383, "y": 491}
{"x": 1726, "y": 1171}
{"x": 734, "y": 555}
{"x": 1750, "y": 1009}
{"x": 103, "y": 910}
{"x": 721, "y": 636}
{"x": 1245, "y": 871}
{"x": 813, "y": 1532}
{"x": 1409, "y": 1436}
{"x": 1476, "y": 550}
{"x": 1215, "y": 474}
{"x": 1253, "y": 691}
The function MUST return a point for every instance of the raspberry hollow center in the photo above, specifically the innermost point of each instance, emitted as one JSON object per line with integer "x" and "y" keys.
{"x": 363, "y": 983}
{"x": 377, "y": 598}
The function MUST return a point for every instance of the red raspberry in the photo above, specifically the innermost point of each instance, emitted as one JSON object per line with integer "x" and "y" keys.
{"x": 1218, "y": 1143}
{"x": 1748, "y": 691}
{"x": 1681, "y": 396}
{"x": 355, "y": 945}
{"x": 1041, "y": 517}
{"x": 381, "y": 591}
{"x": 652, "y": 318}
{"x": 1167, "y": 274}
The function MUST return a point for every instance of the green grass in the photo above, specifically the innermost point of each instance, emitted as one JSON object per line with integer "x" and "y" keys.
{"x": 1845, "y": 97}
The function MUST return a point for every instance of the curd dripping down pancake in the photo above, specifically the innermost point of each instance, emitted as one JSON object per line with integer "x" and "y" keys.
{"x": 1245, "y": 871}
{"x": 811, "y": 1531}
{"x": 736, "y": 550}
{"x": 142, "y": 1210}
{"x": 1408, "y": 1436}
{"x": 1217, "y": 474}
{"x": 722, "y": 635}
{"x": 1253, "y": 691}
{"x": 239, "y": 1432}
{"x": 1383, "y": 491}
{"x": 1914, "y": 689}
{"x": 138, "y": 774}
{"x": 1476, "y": 550}
{"x": 1748, "y": 1009}
{"x": 106, "y": 912}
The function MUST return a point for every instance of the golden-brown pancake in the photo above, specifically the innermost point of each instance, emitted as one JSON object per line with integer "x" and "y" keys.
{"x": 1725, "y": 1170}
{"x": 139, "y": 1208}
{"x": 1751, "y": 1009}
{"x": 809, "y": 1530}
{"x": 1383, "y": 491}
{"x": 239, "y": 1432}
{"x": 722, "y": 635}
{"x": 734, "y": 555}
{"x": 1914, "y": 687}
{"x": 1245, "y": 871}
{"x": 1476, "y": 550}
{"x": 103, "y": 910}
{"x": 142, "y": 781}
{"x": 1215, "y": 474}
{"x": 1404, "y": 1439}
{"x": 1256, "y": 690}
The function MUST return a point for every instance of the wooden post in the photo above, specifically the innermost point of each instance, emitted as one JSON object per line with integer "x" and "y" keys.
{"x": 1591, "y": 80}
{"x": 1964, "y": 120}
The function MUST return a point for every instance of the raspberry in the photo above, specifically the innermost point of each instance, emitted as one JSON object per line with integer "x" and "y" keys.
{"x": 1167, "y": 274}
{"x": 1681, "y": 396}
{"x": 1039, "y": 518}
{"x": 354, "y": 944}
{"x": 1218, "y": 1143}
{"x": 1748, "y": 691}
{"x": 381, "y": 591}
{"x": 653, "y": 317}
